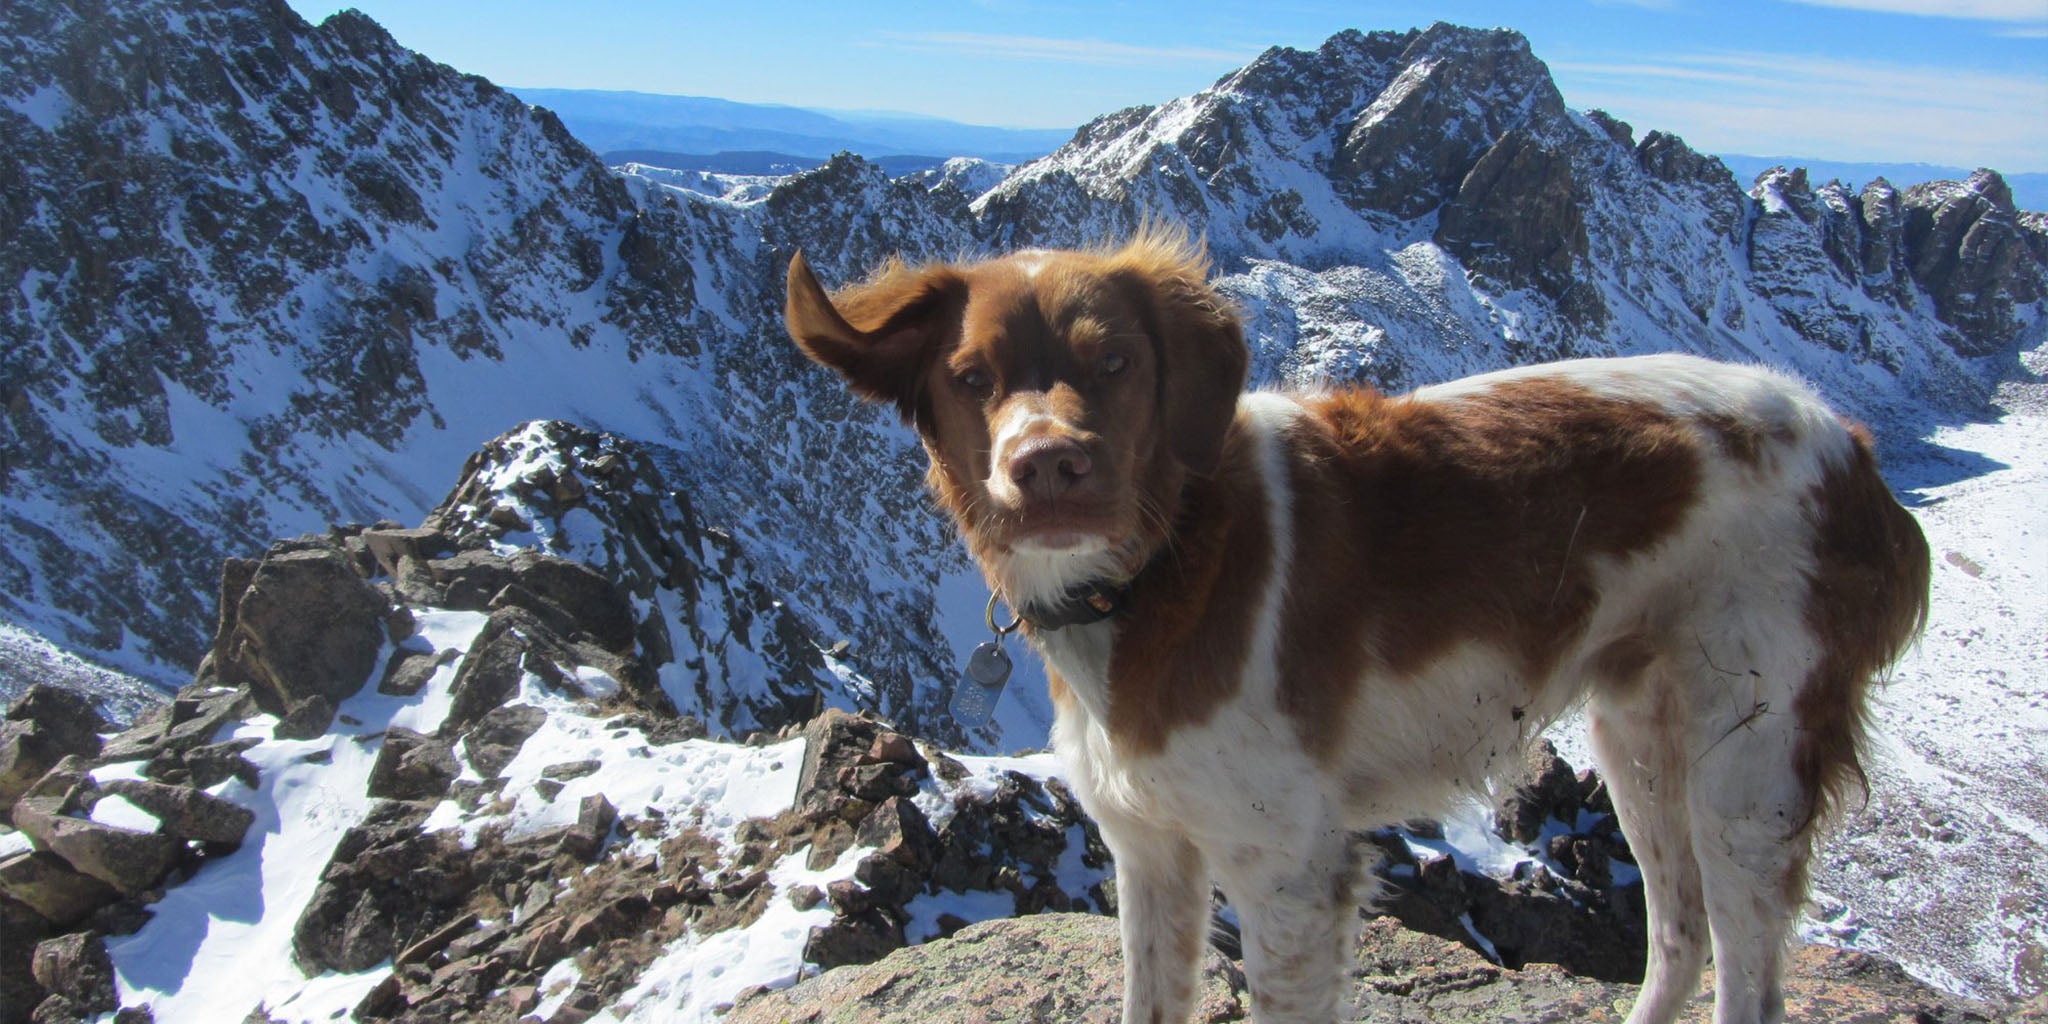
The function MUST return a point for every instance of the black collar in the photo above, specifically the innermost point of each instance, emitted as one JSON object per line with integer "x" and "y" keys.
{"x": 1081, "y": 605}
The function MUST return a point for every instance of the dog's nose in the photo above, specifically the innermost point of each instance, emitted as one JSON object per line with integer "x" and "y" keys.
{"x": 1045, "y": 467}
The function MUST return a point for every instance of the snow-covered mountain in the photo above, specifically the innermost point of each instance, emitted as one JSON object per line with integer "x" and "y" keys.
{"x": 262, "y": 277}
{"x": 254, "y": 296}
{"x": 2029, "y": 191}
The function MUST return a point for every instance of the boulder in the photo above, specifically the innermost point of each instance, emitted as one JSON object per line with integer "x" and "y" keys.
{"x": 385, "y": 885}
{"x": 388, "y": 546}
{"x": 307, "y": 719}
{"x": 305, "y": 625}
{"x": 21, "y": 928}
{"x": 497, "y": 660}
{"x": 833, "y": 741}
{"x": 42, "y": 728}
{"x": 412, "y": 766}
{"x": 498, "y": 735}
{"x": 193, "y": 719}
{"x": 860, "y": 937}
{"x": 596, "y": 606}
{"x": 77, "y": 966}
{"x": 48, "y": 885}
{"x": 186, "y": 812}
{"x": 1549, "y": 790}
{"x": 131, "y": 862}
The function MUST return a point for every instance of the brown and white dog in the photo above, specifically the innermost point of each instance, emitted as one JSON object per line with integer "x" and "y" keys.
{"x": 1335, "y": 610}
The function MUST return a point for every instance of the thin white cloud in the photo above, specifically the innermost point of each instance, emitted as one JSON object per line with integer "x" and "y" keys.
{"x": 1060, "y": 51}
{"x": 1976, "y": 10}
{"x": 1780, "y": 104}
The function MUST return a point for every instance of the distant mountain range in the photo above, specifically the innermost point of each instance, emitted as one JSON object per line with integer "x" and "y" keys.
{"x": 2029, "y": 191}
{"x": 610, "y": 121}
{"x": 698, "y": 133}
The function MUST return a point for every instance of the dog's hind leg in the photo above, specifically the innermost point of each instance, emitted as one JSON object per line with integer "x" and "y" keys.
{"x": 1297, "y": 907}
{"x": 1638, "y": 736}
{"x": 1752, "y": 835}
{"x": 1163, "y": 912}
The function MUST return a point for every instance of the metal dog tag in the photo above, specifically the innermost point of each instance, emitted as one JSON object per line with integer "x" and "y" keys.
{"x": 988, "y": 669}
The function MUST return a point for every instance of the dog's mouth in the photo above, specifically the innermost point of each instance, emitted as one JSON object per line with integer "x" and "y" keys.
{"x": 1063, "y": 527}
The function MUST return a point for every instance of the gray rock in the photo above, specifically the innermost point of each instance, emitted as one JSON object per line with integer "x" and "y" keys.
{"x": 1407, "y": 152}
{"x": 41, "y": 729}
{"x": 412, "y": 766}
{"x": 193, "y": 719}
{"x": 77, "y": 966}
{"x": 21, "y": 928}
{"x": 186, "y": 812}
{"x": 309, "y": 718}
{"x": 1548, "y": 789}
{"x": 306, "y": 625}
{"x": 387, "y": 546}
{"x": 498, "y": 735}
{"x": 52, "y": 888}
{"x": 131, "y": 862}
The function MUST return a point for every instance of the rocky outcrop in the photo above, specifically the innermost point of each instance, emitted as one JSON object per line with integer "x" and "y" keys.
{"x": 1517, "y": 216}
{"x": 737, "y": 657}
{"x": 1408, "y": 151}
{"x": 1064, "y": 967}
{"x": 1053, "y": 967}
{"x": 299, "y": 625}
{"x": 82, "y": 870}
{"x": 42, "y": 728}
{"x": 1966, "y": 246}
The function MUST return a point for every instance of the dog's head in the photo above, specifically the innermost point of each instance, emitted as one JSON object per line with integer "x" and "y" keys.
{"x": 1063, "y": 397}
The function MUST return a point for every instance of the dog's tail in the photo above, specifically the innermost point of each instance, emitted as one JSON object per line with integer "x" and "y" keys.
{"x": 1866, "y": 603}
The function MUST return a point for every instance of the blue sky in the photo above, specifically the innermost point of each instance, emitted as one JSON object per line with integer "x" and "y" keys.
{"x": 1957, "y": 82}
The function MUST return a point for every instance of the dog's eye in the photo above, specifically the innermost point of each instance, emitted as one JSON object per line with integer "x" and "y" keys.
{"x": 975, "y": 381}
{"x": 1113, "y": 364}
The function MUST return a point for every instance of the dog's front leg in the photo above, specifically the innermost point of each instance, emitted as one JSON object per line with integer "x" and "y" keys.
{"x": 1162, "y": 892}
{"x": 1297, "y": 909}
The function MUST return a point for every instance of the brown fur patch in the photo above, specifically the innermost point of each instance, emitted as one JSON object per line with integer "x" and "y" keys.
{"x": 1865, "y": 602}
{"x": 1422, "y": 525}
{"x": 1740, "y": 439}
{"x": 1181, "y": 650}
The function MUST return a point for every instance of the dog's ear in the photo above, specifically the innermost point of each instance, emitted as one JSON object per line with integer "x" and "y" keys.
{"x": 880, "y": 335}
{"x": 1202, "y": 355}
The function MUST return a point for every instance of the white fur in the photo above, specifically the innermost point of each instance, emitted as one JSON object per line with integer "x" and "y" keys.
{"x": 1236, "y": 798}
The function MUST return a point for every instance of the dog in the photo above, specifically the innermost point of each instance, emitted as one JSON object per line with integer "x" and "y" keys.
{"x": 1269, "y": 619}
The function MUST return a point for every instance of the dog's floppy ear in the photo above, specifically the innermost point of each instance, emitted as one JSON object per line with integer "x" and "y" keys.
{"x": 1202, "y": 354}
{"x": 880, "y": 335}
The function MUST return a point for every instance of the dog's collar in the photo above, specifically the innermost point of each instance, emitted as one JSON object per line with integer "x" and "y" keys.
{"x": 1081, "y": 605}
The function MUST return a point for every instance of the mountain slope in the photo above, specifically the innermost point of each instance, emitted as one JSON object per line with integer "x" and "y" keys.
{"x": 238, "y": 319}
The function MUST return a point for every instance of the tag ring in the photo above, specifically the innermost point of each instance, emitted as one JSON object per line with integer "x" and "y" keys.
{"x": 989, "y": 616}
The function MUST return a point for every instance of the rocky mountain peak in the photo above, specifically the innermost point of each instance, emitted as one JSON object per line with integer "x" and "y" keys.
{"x": 1969, "y": 248}
{"x": 724, "y": 646}
{"x": 1458, "y": 92}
